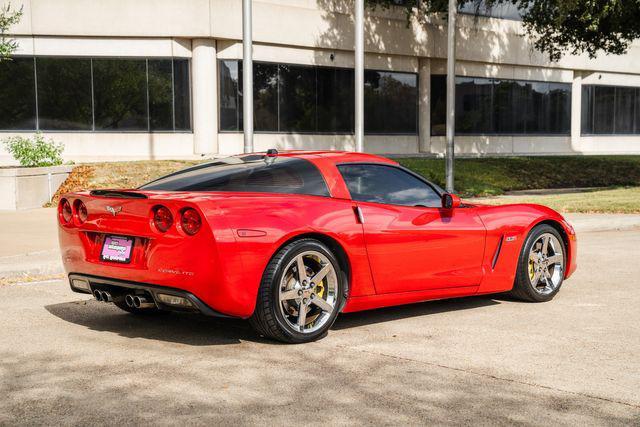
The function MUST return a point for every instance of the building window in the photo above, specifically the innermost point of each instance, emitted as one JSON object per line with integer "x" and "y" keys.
{"x": 17, "y": 96}
{"x": 64, "y": 94}
{"x": 503, "y": 107}
{"x": 390, "y": 102}
{"x": 308, "y": 99}
{"x": 120, "y": 93}
{"x": 76, "y": 94}
{"x": 610, "y": 110}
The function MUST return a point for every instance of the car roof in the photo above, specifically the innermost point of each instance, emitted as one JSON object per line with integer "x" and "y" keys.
{"x": 336, "y": 157}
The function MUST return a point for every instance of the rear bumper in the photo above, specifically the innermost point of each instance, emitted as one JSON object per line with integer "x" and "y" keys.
{"x": 117, "y": 285}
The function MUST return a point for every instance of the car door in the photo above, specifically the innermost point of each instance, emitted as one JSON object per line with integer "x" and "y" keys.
{"x": 412, "y": 242}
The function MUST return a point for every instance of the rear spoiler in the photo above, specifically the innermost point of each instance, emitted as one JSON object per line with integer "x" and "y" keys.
{"x": 118, "y": 194}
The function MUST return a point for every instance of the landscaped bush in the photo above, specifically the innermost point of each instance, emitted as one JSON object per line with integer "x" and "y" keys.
{"x": 34, "y": 152}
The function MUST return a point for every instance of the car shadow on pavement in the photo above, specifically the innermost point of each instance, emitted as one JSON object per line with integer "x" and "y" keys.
{"x": 198, "y": 330}
{"x": 182, "y": 328}
{"x": 369, "y": 317}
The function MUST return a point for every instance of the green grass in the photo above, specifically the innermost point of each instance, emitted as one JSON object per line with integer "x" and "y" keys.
{"x": 615, "y": 200}
{"x": 494, "y": 176}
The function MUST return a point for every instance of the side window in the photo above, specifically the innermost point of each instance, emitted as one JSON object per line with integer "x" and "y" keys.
{"x": 387, "y": 184}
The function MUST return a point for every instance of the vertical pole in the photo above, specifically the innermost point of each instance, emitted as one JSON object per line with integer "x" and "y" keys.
{"x": 359, "y": 74}
{"x": 451, "y": 93}
{"x": 247, "y": 76}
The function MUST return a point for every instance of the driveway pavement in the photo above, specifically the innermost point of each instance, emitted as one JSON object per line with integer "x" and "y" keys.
{"x": 65, "y": 359}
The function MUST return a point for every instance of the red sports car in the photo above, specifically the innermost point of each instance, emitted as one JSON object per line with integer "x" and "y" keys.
{"x": 289, "y": 240}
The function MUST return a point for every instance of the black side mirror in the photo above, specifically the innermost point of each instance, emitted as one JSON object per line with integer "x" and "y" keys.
{"x": 450, "y": 201}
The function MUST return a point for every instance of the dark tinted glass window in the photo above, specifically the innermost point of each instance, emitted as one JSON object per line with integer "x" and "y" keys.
{"x": 120, "y": 94}
{"x": 265, "y": 97}
{"x": 306, "y": 99}
{"x": 17, "y": 94}
{"x": 390, "y": 102}
{"x": 160, "y": 94}
{"x": 247, "y": 174}
{"x": 537, "y": 117}
{"x": 474, "y": 100}
{"x": 438, "y": 105}
{"x": 608, "y": 110}
{"x": 503, "y": 107}
{"x": 624, "y": 110}
{"x": 230, "y": 100}
{"x": 297, "y": 99}
{"x": 64, "y": 94}
{"x": 637, "y": 115}
{"x": 387, "y": 184}
{"x": 603, "y": 109}
{"x": 587, "y": 110}
{"x": 335, "y": 99}
{"x": 559, "y": 108}
{"x": 520, "y": 99}
{"x": 182, "y": 94}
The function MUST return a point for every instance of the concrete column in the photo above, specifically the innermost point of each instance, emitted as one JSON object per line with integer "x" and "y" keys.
{"x": 424, "y": 105}
{"x": 204, "y": 78}
{"x": 576, "y": 111}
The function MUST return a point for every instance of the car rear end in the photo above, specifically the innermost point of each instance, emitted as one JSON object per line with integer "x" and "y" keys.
{"x": 143, "y": 249}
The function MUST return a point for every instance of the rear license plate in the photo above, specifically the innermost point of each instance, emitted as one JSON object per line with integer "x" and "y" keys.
{"x": 117, "y": 249}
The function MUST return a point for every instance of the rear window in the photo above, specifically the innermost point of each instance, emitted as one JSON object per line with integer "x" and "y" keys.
{"x": 253, "y": 173}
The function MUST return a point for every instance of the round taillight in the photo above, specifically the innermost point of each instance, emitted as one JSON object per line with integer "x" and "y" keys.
{"x": 190, "y": 221}
{"x": 81, "y": 211}
{"x": 162, "y": 218}
{"x": 66, "y": 213}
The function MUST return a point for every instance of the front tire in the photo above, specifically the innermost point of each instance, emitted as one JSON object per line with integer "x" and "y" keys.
{"x": 300, "y": 293}
{"x": 541, "y": 265}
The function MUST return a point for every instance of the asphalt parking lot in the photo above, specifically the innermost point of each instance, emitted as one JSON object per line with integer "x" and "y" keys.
{"x": 65, "y": 359}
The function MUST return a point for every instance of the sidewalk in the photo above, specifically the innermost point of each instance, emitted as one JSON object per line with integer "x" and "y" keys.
{"x": 29, "y": 240}
{"x": 29, "y": 244}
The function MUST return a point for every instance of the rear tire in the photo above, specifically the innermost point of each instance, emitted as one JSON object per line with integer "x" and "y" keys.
{"x": 541, "y": 265}
{"x": 300, "y": 293}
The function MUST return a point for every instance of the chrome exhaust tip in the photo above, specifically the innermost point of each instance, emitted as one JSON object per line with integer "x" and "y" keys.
{"x": 97, "y": 294}
{"x": 129, "y": 300}
{"x": 142, "y": 302}
{"x": 106, "y": 296}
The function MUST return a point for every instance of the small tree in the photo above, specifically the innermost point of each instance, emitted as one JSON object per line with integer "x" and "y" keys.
{"x": 8, "y": 17}
{"x": 34, "y": 152}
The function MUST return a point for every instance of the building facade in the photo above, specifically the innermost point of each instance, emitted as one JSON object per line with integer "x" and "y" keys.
{"x": 154, "y": 79}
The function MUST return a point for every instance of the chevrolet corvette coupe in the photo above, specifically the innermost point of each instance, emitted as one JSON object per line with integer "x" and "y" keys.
{"x": 289, "y": 240}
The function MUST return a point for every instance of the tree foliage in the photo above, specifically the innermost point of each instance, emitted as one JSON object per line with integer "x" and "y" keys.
{"x": 8, "y": 17}
{"x": 557, "y": 27}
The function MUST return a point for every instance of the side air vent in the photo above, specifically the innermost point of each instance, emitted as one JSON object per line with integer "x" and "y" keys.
{"x": 117, "y": 194}
{"x": 497, "y": 254}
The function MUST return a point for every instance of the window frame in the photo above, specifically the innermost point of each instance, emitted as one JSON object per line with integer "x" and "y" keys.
{"x": 439, "y": 191}
{"x": 98, "y": 131}
{"x": 497, "y": 134}
{"x": 352, "y": 132}
{"x": 588, "y": 117}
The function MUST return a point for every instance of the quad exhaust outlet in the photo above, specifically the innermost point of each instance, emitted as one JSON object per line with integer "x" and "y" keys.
{"x": 102, "y": 296}
{"x": 136, "y": 301}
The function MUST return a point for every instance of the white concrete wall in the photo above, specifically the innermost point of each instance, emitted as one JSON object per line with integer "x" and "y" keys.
{"x": 105, "y": 146}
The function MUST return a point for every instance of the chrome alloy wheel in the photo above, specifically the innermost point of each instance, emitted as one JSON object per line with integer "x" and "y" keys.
{"x": 307, "y": 291}
{"x": 546, "y": 264}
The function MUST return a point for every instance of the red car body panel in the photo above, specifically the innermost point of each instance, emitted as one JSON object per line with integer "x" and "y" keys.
{"x": 397, "y": 255}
